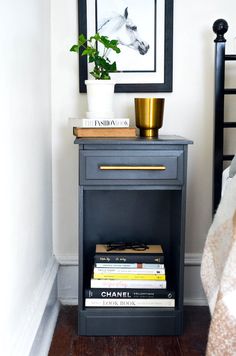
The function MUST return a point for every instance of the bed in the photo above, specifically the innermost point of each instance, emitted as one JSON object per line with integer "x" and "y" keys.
{"x": 218, "y": 268}
{"x": 220, "y": 27}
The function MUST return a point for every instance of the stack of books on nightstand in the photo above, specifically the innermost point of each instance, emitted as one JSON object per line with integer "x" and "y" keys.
{"x": 129, "y": 275}
{"x": 103, "y": 128}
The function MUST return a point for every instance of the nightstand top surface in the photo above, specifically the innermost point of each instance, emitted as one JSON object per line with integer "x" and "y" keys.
{"x": 167, "y": 139}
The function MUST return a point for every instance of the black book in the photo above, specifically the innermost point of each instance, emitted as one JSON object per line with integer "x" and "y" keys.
{"x": 116, "y": 293}
{"x": 153, "y": 254}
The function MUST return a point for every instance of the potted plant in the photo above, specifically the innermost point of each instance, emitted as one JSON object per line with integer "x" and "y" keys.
{"x": 100, "y": 90}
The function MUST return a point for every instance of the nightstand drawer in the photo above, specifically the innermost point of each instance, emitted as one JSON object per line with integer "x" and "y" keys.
{"x": 124, "y": 167}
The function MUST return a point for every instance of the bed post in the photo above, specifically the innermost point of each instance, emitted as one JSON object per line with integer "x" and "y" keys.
{"x": 220, "y": 27}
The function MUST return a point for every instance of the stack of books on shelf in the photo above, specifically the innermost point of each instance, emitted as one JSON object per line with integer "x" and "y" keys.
{"x": 132, "y": 276}
{"x": 103, "y": 128}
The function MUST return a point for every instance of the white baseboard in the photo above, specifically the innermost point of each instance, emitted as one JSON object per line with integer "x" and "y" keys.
{"x": 44, "y": 306}
{"x": 200, "y": 302}
{"x": 43, "y": 339}
{"x": 68, "y": 280}
{"x": 193, "y": 291}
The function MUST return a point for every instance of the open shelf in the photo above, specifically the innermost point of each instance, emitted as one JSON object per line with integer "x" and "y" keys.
{"x": 150, "y": 216}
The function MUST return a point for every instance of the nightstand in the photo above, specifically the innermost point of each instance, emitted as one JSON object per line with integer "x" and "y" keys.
{"x": 132, "y": 189}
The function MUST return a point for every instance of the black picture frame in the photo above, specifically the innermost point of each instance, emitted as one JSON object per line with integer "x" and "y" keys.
{"x": 165, "y": 86}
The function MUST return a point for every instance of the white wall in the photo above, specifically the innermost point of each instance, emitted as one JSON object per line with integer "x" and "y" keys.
{"x": 26, "y": 164}
{"x": 188, "y": 112}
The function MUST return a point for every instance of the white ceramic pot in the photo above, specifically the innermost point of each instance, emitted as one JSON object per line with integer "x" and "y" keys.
{"x": 100, "y": 96}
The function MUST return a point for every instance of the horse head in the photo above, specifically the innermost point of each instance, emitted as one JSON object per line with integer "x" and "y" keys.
{"x": 133, "y": 39}
{"x": 125, "y": 31}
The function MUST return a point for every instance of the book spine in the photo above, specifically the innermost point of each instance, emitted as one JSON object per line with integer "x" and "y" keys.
{"x": 122, "y": 283}
{"x": 128, "y": 258}
{"x": 104, "y": 131}
{"x": 103, "y": 123}
{"x": 128, "y": 293}
{"x": 129, "y": 270}
{"x": 149, "y": 277}
{"x": 130, "y": 265}
{"x": 98, "y": 302}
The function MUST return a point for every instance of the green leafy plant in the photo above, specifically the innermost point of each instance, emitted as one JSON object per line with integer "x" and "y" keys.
{"x": 89, "y": 47}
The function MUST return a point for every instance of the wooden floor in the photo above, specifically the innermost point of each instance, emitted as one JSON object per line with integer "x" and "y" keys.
{"x": 66, "y": 342}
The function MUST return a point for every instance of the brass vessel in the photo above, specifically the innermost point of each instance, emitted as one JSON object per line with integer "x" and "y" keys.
{"x": 149, "y": 115}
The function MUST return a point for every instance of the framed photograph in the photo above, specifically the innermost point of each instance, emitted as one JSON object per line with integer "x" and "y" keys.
{"x": 144, "y": 29}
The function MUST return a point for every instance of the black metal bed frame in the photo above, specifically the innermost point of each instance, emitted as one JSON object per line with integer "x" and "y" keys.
{"x": 220, "y": 27}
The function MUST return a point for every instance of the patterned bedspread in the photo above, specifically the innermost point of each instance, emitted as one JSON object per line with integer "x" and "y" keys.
{"x": 218, "y": 274}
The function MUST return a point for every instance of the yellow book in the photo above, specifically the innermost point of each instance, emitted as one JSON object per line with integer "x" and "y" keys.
{"x": 149, "y": 277}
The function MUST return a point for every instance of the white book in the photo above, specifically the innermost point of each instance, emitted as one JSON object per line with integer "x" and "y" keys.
{"x": 101, "y": 123}
{"x": 130, "y": 265}
{"x": 114, "y": 270}
{"x": 129, "y": 283}
{"x": 139, "y": 302}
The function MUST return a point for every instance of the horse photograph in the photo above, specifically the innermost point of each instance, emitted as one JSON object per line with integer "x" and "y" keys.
{"x": 133, "y": 24}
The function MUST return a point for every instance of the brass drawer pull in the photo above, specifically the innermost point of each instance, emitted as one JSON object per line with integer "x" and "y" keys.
{"x": 132, "y": 168}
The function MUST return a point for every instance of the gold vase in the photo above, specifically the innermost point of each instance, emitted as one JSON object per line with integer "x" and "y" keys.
{"x": 149, "y": 115}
